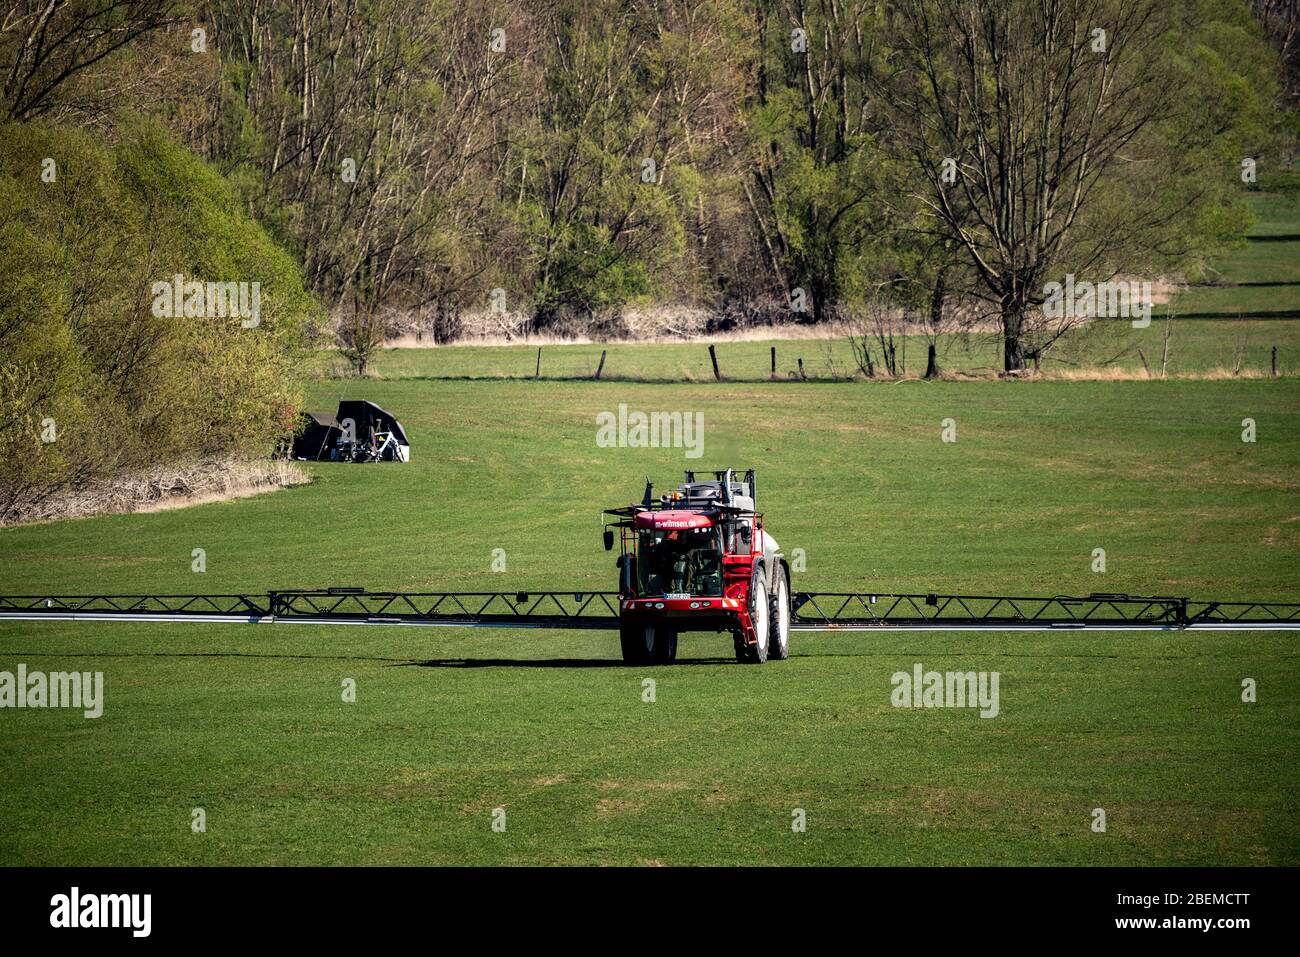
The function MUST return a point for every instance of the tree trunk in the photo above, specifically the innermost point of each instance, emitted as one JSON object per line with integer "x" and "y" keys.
{"x": 931, "y": 364}
{"x": 1013, "y": 346}
{"x": 818, "y": 310}
{"x": 937, "y": 298}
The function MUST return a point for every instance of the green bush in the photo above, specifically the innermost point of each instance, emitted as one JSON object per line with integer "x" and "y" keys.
{"x": 88, "y": 356}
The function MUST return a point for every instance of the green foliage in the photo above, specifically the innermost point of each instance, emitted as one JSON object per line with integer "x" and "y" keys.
{"x": 83, "y": 346}
{"x": 601, "y": 214}
{"x": 818, "y": 159}
{"x": 1224, "y": 112}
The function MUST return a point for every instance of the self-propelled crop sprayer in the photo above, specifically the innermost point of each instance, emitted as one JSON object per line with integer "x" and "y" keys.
{"x": 698, "y": 558}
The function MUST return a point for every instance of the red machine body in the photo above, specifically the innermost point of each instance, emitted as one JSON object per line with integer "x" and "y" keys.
{"x": 699, "y": 559}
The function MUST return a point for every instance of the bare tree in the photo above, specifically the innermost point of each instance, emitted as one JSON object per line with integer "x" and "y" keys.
{"x": 1031, "y": 128}
{"x": 377, "y": 128}
{"x": 362, "y": 331}
{"x": 45, "y": 43}
{"x": 1281, "y": 22}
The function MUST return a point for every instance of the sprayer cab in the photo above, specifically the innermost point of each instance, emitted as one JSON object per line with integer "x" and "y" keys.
{"x": 698, "y": 558}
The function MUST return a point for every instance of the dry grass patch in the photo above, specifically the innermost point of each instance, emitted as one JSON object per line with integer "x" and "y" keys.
{"x": 164, "y": 488}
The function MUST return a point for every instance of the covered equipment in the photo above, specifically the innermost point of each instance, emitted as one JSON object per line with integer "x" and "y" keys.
{"x": 359, "y": 432}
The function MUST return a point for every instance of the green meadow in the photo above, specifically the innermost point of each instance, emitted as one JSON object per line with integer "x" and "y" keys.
{"x": 249, "y": 722}
{"x": 1197, "y": 348}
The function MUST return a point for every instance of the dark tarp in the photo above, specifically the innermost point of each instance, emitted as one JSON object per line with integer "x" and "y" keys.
{"x": 320, "y": 432}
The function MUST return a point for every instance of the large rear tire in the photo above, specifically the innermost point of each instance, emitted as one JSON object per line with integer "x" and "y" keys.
{"x": 779, "y": 642}
{"x": 647, "y": 643}
{"x": 759, "y": 609}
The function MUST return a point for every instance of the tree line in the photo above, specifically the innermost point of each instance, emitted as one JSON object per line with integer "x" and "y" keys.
{"x": 791, "y": 160}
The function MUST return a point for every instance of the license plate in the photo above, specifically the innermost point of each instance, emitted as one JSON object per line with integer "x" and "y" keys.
{"x": 674, "y": 594}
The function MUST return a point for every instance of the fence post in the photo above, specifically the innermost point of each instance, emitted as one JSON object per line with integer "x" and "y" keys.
{"x": 801, "y": 375}
{"x": 538, "y": 374}
{"x": 714, "y": 356}
{"x": 1275, "y": 362}
{"x": 602, "y": 363}
{"x": 773, "y": 375}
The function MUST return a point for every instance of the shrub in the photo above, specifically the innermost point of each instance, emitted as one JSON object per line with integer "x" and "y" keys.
{"x": 93, "y": 379}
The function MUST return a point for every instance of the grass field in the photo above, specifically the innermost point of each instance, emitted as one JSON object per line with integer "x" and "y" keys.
{"x": 1260, "y": 276}
{"x": 248, "y": 723}
{"x": 1196, "y": 347}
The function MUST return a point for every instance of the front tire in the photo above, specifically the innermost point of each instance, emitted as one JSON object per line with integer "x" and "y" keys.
{"x": 759, "y": 608}
{"x": 779, "y": 642}
{"x": 647, "y": 643}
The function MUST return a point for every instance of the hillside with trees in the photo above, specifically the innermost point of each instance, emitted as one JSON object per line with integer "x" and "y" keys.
{"x": 378, "y": 168}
